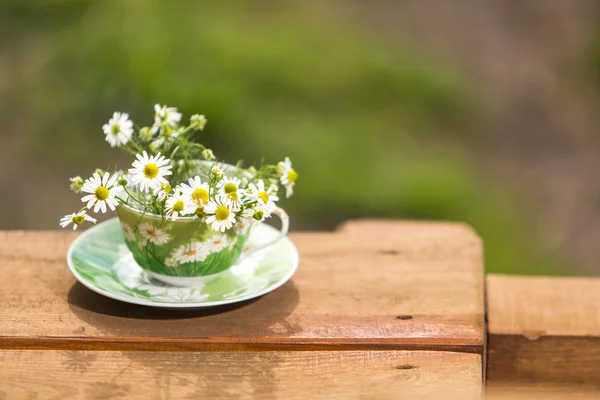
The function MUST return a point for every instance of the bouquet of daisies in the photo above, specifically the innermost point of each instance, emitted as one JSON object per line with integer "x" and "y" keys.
{"x": 173, "y": 176}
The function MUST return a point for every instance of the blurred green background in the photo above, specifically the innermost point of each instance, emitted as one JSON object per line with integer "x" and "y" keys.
{"x": 482, "y": 113}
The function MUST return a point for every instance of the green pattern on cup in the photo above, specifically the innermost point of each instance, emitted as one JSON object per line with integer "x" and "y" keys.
{"x": 184, "y": 248}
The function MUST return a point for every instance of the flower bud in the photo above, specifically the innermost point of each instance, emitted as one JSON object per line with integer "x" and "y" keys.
{"x": 122, "y": 181}
{"x": 198, "y": 121}
{"x": 76, "y": 184}
{"x": 217, "y": 173}
{"x": 155, "y": 146}
{"x": 208, "y": 154}
{"x": 99, "y": 171}
{"x": 281, "y": 167}
{"x": 145, "y": 134}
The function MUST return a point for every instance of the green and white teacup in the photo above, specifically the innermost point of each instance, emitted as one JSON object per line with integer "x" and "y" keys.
{"x": 187, "y": 252}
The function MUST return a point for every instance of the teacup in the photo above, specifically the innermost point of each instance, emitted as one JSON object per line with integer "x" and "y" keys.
{"x": 187, "y": 252}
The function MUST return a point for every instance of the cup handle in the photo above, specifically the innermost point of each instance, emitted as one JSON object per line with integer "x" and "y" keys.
{"x": 285, "y": 225}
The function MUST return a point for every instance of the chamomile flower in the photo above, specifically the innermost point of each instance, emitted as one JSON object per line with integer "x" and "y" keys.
{"x": 242, "y": 226}
{"x": 171, "y": 262}
{"x": 77, "y": 219}
{"x": 231, "y": 194}
{"x": 178, "y": 205}
{"x": 288, "y": 176}
{"x": 103, "y": 191}
{"x": 217, "y": 243}
{"x": 263, "y": 210}
{"x": 153, "y": 234}
{"x": 220, "y": 216}
{"x": 128, "y": 232}
{"x": 118, "y": 130}
{"x": 260, "y": 193}
{"x": 149, "y": 172}
{"x": 191, "y": 252}
{"x": 162, "y": 191}
{"x": 164, "y": 117}
{"x": 197, "y": 190}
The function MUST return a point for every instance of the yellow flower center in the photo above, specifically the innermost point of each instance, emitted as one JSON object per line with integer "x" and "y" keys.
{"x": 218, "y": 241}
{"x": 200, "y": 212}
{"x": 78, "y": 219}
{"x": 191, "y": 252}
{"x": 292, "y": 176}
{"x": 101, "y": 193}
{"x": 222, "y": 213}
{"x": 116, "y": 129}
{"x": 154, "y": 234}
{"x": 264, "y": 196}
{"x": 233, "y": 196}
{"x": 166, "y": 188}
{"x": 178, "y": 206}
{"x": 230, "y": 187}
{"x": 200, "y": 195}
{"x": 150, "y": 171}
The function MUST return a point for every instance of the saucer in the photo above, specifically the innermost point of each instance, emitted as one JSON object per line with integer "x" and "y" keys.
{"x": 99, "y": 259}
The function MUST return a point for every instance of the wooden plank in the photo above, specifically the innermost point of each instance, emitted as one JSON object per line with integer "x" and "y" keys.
{"x": 540, "y": 392}
{"x": 543, "y": 329}
{"x": 373, "y": 285}
{"x": 51, "y": 374}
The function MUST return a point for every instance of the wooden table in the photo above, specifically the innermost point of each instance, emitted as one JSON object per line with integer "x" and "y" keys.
{"x": 376, "y": 310}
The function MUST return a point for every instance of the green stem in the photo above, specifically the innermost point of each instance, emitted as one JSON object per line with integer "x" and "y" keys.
{"x": 131, "y": 196}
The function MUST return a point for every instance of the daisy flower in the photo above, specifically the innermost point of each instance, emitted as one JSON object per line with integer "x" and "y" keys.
{"x": 196, "y": 190}
{"x": 259, "y": 193}
{"x": 177, "y": 205}
{"x": 241, "y": 227}
{"x": 220, "y": 216}
{"x": 164, "y": 117}
{"x": 288, "y": 176}
{"x": 103, "y": 191}
{"x": 153, "y": 234}
{"x": 118, "y": 130}
{"x": 191, "y": 252}
{"x": 230, "y": 193}
{"x": 163, "y": 191}
{"x": 264, "y": 210}
{"x": 171, "y": 262}
{"x": 128, "y": 232}
{"x": 77, "y": 219}
{"x": 149, "y": 172}
{"x": 217, "y": 243}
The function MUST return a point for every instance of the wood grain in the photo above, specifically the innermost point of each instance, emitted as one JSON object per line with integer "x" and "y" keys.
{"x": 508, "y": 391}
{"x": 51, "y": 374}
{"x": 543, "y": 329}
{"x": 372, "y": 285}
